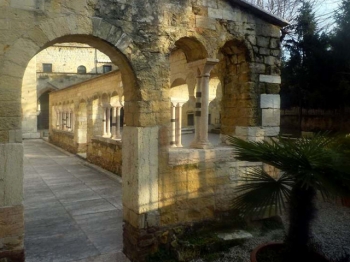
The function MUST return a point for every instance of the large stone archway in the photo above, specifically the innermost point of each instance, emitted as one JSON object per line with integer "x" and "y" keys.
{"x": 139, "y": 36}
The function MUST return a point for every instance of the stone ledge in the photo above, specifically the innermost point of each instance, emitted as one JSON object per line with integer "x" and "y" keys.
{"x": 185, "y": 156}
{"x": 68, "y": 133}
{"x": 107, "y": 140}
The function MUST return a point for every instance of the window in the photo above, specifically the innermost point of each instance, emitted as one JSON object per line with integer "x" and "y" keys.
{"x": 47, "y": 68}
{"x": 107, "y": 68}
{"x": 81, "y": 69}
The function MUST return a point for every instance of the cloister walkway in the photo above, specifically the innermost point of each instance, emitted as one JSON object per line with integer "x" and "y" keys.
{"x": 73, "y": 211}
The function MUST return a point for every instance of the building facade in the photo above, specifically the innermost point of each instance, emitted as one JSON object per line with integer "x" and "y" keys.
{"x": 54, "y": 68}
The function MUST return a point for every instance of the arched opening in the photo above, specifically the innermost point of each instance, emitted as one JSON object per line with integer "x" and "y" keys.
{"x": 239, "y": 96}
{"x": 190, "y": 94}
{"x": 81, "y": 69}
{"x": 71, "y": 122}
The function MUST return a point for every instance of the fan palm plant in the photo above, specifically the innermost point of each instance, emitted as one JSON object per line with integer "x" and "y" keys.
{"x": 307, "y": 166}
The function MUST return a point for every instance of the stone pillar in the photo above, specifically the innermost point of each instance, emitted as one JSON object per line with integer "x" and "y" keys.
{"x": 104, "y": 121}
{"x": 108, "y": 122}
{"x": 11, "y": 209}
{"x": 118, "y": 134}
{"x": 179, "y": 124}
{"x": 140, "y": 189}
{"x": 202, "y": 107}
{"x": 114, "y": 122}
{"x": 57, "y": 120}
{"x": 69, "y": 123}
{"x": 173, "y": 124}
{"x": 197, "y": 113}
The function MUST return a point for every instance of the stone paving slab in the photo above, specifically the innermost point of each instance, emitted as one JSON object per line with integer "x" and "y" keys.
{"x": 72, "y": 212}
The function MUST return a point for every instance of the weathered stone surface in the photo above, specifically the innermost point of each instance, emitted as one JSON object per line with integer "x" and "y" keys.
{"x": 11, "y": 174}
{"x": 271, "y": 117}
{"x": 140, "y": 36}
{"x": 270, "y": 101}
{"x": 270, "y": 79}
{"x": 272, "y": 131}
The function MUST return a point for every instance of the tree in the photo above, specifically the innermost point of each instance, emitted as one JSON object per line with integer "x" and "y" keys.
{"x": 286, "y": 9}
{"x": 341, "y": 54}
{"x": 307, "y": 166}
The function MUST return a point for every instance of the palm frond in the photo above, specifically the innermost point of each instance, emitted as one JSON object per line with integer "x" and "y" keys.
{"x": 262, "y": 194}
{"x": 315, "y": 162}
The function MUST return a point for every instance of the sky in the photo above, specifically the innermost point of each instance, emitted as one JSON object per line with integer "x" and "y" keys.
{"x": 325, "y": 12}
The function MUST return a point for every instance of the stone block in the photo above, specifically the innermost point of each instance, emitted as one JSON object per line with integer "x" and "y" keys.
{"x": 28, "y": 4}
{"x": 271, "y": 117}
{"x": 271, "y": 60}
{"x": 11, "y": 174}
{"x": 272, "y": 88}
{"x": 263, "y": 41}
{"x": 270, "y": 79}
{"x": 255, "y": 131}
{"x": 272, "y": 131}
{"x": 4, "y": 24}
{"x": 232, "y": 15}
{"x": 11, "y": 222}
{"x": 205, "y": 22}
{"x": 275, "y": 43}
{"x": 270, "y": 101}
{"x": 140, "y": 168}
{"x": 215, "y": 13}
{"x": 15, "y": 136}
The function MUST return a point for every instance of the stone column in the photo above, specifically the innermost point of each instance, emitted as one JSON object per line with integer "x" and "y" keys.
{"x": 202, "y": 105}
{"x": 57, "y": 120}
{"x": 118, "y": 134}
{"x": 114, "y": 122}
{"x": 179, "y": 124}
{"x": 104, "y": 121}
{"x": 197, "y": 113}
{"x": 108, "y": 121}
{"x": 173, "y": 124}
{"x": 68, "y": 119}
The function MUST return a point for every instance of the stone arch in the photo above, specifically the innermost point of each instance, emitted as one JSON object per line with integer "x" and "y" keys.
{"x": 192, "y": 48}
{"x": 44, "y": 90}
{"x": 96, "y": 32}
{"x": 238, "y": 106}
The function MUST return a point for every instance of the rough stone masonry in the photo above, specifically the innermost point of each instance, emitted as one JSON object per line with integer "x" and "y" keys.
{"x": 163, "y": 187}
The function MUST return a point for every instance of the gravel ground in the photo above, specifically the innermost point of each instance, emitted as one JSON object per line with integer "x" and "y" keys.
{"x": 330, "y": 235}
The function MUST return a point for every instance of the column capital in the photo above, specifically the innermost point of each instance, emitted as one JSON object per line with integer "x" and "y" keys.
{"x": 204, "y": 65}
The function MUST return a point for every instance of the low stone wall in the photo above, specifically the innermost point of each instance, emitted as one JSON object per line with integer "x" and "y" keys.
{"x": 65, "y": 140}
{"x": 106, "y": 153}
{"x": 201, "y": 183}
{"x": 199, "y": 188}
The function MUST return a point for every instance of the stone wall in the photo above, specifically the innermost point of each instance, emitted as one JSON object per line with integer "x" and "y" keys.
{"x": 86, "y": 134}
{"x": 67, "y": 57}
{"x": 106, "y": 153}
{"x": 139, "y": 37}
{"x": 200, "y": 184}
{"x": 65, "y": 140}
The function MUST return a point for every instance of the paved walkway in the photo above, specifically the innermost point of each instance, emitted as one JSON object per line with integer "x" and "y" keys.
{"x": 73, "y": 212}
